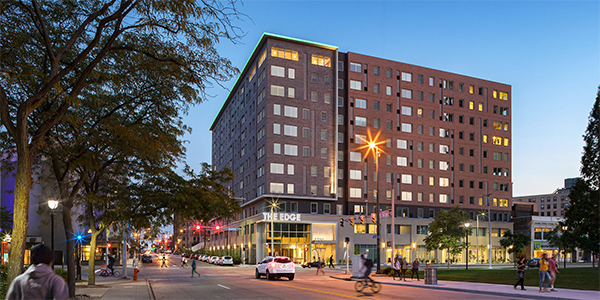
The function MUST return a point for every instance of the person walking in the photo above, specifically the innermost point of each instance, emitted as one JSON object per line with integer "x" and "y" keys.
{"x": 39, "y": 281}
{"x": 404, "y": 267}
{"x": 194, "y": 268}
{"x": 397, "y": 268}
{"x": 319, "y": 266}
{"x": 415, "y": 269}
{"x": 520, "y": 273}
{"x": 331, "y": 262}
{"x": 164, "y": 261}
{"x": 544, "y": 276}
{"x": 553, "y": 270}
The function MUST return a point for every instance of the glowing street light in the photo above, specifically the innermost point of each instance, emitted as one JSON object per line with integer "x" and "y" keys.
{"x": 372, "y": 145}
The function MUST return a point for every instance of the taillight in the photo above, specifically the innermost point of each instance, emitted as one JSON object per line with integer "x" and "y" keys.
{"x": 273, "y": 265}
{"x": 292, "y": 265}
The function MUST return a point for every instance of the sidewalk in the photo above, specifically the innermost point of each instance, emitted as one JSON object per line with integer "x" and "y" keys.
{"x": 487, "y": 288}
{"x": 111, "y": 288}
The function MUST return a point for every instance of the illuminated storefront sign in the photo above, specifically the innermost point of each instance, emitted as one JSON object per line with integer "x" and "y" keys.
{"x": 282, "y": 217}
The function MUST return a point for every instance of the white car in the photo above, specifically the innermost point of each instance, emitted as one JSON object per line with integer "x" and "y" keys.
{"x": 226, "y": 261}
{"x": 275, "y": 267}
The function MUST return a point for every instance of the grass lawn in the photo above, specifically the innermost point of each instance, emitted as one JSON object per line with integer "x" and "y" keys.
{"x": 570, "y": 278}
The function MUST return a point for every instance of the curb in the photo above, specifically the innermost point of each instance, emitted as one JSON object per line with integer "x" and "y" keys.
{"x": 151, "y": 294}
{"x": 463, "y": 290}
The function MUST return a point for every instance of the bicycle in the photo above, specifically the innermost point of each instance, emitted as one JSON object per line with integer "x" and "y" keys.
{"x": 105, "y": 272}
{"x": 364, "y": 282}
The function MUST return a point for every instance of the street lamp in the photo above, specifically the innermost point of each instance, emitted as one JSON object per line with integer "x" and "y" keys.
{"x": 477, "y": 236}
{"x": 52, "y": 204}
{"x": 373, "y": 145}
{"x": 467, "y": 244}
{"x": 273, "y": 204}
{"x": 489, "y": 216}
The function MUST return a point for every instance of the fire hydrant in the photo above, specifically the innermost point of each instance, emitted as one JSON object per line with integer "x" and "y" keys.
{"x": 135, "y": 272}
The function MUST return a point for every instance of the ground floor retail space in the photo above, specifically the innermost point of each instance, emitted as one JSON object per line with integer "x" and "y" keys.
{"x": 310, "y": 237}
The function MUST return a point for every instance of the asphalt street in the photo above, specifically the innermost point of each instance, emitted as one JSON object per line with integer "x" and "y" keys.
{"x": 224, "y": 282}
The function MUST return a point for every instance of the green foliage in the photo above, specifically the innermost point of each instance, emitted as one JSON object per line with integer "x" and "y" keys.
{"x": 582, "y": 218}
{"x": 446, "y": 231}
{"x": 590, "y": 160}
{"x": 3, "y": 281}
{"x": 5, "y": 220}
{"x": 518, "y": 241}
{"x": 62, "y": 273}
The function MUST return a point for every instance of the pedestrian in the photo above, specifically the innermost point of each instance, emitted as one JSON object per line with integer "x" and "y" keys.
{"x": 404, "y": 267}
{"x": 39, "y": 281}
{"x": 397, "y": 267}
{"x": 521, "y": 273}
{"x": 415, "y": 269}
{"x": 553, "y": 270}
{"x": 319, "y": 266}
{"x": 194, "y": 268}
{"x": 111, "y": 263}
{"x": 164, "y": 261}
{"x": 331, "y": 262}
{"x": 183, "y": 262}
{"x": 544, "y": 276}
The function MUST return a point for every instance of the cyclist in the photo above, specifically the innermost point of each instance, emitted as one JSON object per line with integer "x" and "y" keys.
{"x": 111, "y": 262}
{"x": 368, "y": 265}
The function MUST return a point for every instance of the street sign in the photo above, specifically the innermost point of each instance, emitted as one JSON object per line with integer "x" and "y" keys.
{"x": 231, "y": 228}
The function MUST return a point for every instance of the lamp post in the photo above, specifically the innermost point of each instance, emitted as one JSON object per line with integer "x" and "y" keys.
{"x": 274, "y": 204}
{"x": 489, "y": 216}
{"x": 467, "y": 245}
{"x": 376, "y": 152}
{"x": 477, "y": 236}
{"x": 52, "y": 204}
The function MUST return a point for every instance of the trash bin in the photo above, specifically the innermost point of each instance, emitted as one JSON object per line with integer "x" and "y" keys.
{"x": 431, "y": 276}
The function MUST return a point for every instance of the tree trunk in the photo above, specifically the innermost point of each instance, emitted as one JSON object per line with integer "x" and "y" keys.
{"x": 92, "y": 258}
{"x": 23, "y": 182}
{"x": 70, "y": 257}
{"x": 448, "y": 257}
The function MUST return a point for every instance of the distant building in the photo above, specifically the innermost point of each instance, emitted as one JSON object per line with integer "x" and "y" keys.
{"x": 550, "y": 205}
{"x": 294, "y": 127}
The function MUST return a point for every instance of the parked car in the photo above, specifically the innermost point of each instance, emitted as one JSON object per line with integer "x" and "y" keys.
{"x": 312, "y": 264}
{"x": 218, "y": 260}
{"x": 212, "y": 259}
{"x": 275, "y": 267}
{"x": 226, "y": 261}
{"x": 534, "y": 263}
{"x": 146, "y": 258}
{"x": 168, "y": 251}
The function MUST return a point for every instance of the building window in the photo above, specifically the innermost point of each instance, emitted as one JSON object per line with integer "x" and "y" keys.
{"x": 355, "y": 67}
{"x": 406, "y": 76}
{"x": 406, "y": 127}
{"x": 313, "y": 207}
{"x": 320, "y": 60}
{"x": 431, "y": 81}
{"x": 277, "y": 90}
{"x": 406, "y": 94}
{"x": 355, "y": 193}
{"x": 376, "y": 70}
{"x": 356, "y": 85}
{"x": 277, "y": 71}
{"x": 276, "y": 188}
{"x": 360, "y": 121}
{"x": 291, "y": 150}
{"x": 388, "y": 73}
{"x": 376, "y": 88}
{"x": 326, "y": 208}
{"x": 388, "y": 91}
{"x": 284, "y": 53}
{"x": 360, "y": 103}
{"x": 314, "y": 96}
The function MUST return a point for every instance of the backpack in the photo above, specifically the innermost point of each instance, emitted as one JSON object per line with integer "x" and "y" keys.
{"x": 369, "y": 263}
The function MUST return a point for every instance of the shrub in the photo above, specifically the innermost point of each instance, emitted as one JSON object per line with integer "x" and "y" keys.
{"x": 3, "y": 279}
{"x": 62, "y": 273}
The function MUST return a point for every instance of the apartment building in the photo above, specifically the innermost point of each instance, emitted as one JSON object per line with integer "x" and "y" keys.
{"x": 294, "y": 130}
{"x": 550, "y": 205}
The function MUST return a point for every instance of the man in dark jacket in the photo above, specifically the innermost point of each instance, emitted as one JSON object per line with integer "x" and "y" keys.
{"x": 39, "y": 281}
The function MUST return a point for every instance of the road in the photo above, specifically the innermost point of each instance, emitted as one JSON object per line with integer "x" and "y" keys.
{"x": 238, "y": 282}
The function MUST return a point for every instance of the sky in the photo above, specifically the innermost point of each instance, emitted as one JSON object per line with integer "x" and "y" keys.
{"x": 548, "y": 51}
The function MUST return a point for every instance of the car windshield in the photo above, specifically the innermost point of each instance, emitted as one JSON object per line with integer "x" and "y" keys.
{"x": 227, "y": 257}
{"x": 283, "y": 260}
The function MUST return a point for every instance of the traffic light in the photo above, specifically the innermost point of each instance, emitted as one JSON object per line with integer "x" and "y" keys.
{"x": 217, "y": 227}
{"x": 389, "y": 244}
{"x": 109, "y": 245}
{"x": 197, "y": 227}
{"x": 362, "y": 220}
{"x": 347, "y": 240}
{"x": 374, "y": 218}
{"x": 342, "y": 222}
{"x": 352, "y": 221}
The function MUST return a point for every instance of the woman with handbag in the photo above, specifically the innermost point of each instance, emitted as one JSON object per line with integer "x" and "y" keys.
{"x": 521, "y": 273}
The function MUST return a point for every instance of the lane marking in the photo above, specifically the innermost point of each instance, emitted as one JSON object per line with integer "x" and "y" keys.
{"x": 313, "y": 290}
{"x": 224, "y": 286}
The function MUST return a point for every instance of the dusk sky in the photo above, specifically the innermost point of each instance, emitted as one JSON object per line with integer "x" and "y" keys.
{"x": 548, "y": 51}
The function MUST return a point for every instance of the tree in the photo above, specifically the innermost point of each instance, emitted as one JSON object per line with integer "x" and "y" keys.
{"x": 514, "y": 242}
{"x": 561, "y": 239}
{"x": 446, "y": 230}
{"x": 5, "y": 220}
{"x": 582, "y": 218}
{"x": 590, "y": 160}
{"x": 50, "y": 50}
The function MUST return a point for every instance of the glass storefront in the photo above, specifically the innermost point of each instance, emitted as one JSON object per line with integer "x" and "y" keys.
{"x": 301, "y": 242}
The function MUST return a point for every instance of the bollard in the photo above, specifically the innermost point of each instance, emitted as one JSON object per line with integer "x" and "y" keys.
{"x": 135, "y": 272}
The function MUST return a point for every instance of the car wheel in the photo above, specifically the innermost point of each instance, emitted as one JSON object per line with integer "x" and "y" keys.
{"x": 256, "y": 274}
{"x": 268, "y": 275}
{"x": 291, "y": 277}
